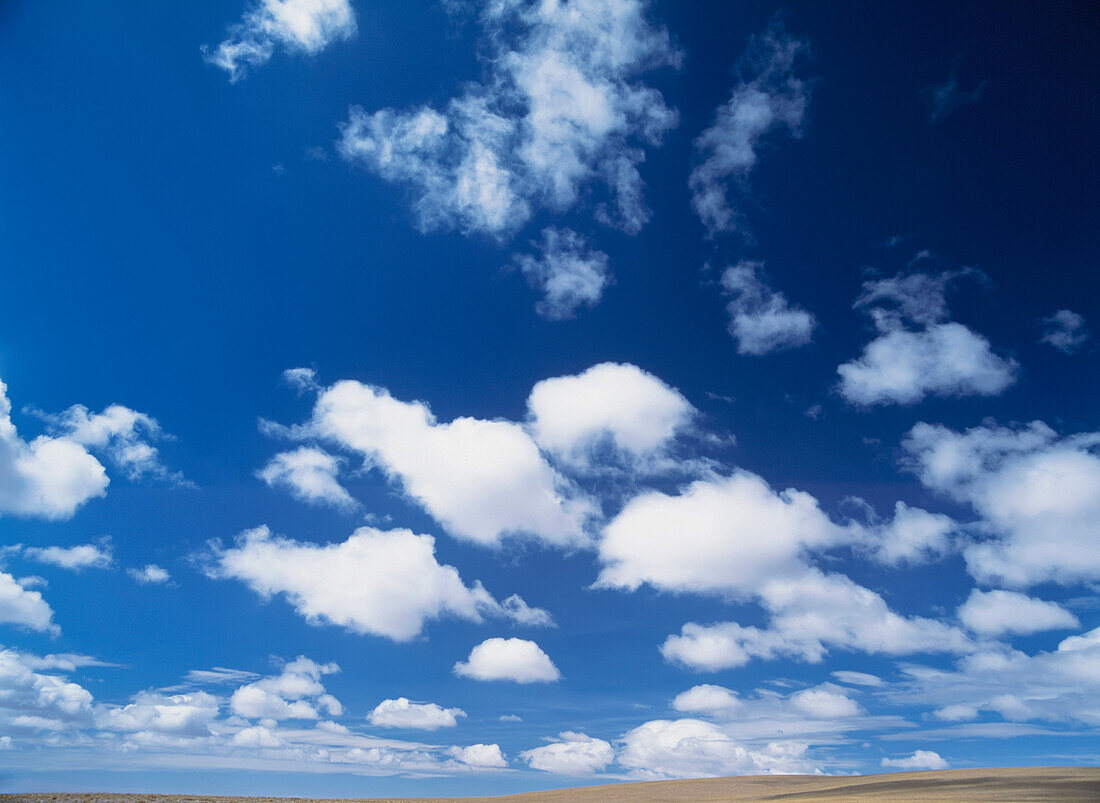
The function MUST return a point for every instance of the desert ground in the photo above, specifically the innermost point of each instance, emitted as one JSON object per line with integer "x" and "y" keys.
{"x": 1064, "y": 784}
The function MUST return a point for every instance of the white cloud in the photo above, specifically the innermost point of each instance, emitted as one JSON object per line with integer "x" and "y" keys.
{"x": 387, "y": 583}
{"x": 512, "y": 659}
{"x": 762, "y": 320}
{"x": 306, "y": 26}
{"x": 825, "y": 702}
{"x": 75, "y": 558}
{"x": 310, "y": 475}
{"x": 715, "y": 701}
{"x": 559, "y": 108}
{"x": 615, "y": 405}
{"x": 569, "y": 273}
{"x": 733, "y": 535}
{"x": 858, "y": 678}
{"x": 918, "y": 352}
{"x": 401, "y": 713}
{"x": 692, "y": 748}
{"x": 482, "y": 480}
{"x": 180, "y": 714}
{"x": 151, "y": 574}
{"x": 488, "y": 756}
{"x": 258, "y": 736}
{"x": 995, "y": 613}
{"x": 1038, "y": 496}
{"x": 920, "y": 760}
{"x": 295, "y": 693}
{"x": 768, "y": 97}
{"x": 30, "y": 701}
{"x": 913, "y": 536}
{"x": 24, "y": 607}
{"x": 573, "y": 754}
{"x": 1065, "y": 330}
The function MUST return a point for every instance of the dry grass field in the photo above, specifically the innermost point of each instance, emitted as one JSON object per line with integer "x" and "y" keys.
{"x": 1063, "y": 784}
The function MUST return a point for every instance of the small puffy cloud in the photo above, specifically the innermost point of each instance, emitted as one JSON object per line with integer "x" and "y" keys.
{"x": 257, "y": 737}
{"x": 1065, "y": 330}
{"x": 560, "y": 109}
{"x": 1038, "y": 496}
{"x": 401, "y": 713}
{"x": 573, "y": 754}
{"x": 304, "y": 26}
{"x": 511, "y": 659}
{"x": 714, "y": 701}
{"x": 386, "y": 583}
{"x": 482, "y": 480}
{"x": 713, "y": 551}
{"x": 920, "y": 760}
{"x": 913, "y": 536}
{"x": 151, "y": 574}
{"x": 24, "y": 607}
{"x": 761, "y": 319}
{"x": 74, "y": 558}
{"x": 310, "y": 475}
{"x": 918, "y": 352}
{"x": 569, "y": 273}
{"x": 488, "y": 756}
{"x": 296, "y": 693}
{"x": 769, "y": 97}
{"x": 692, "y": 748}
{"x": 610, "y": 404}
{"x": 995, "y": 613}
{"x": 825, "y": 702}
{"x": 179, "y": 714}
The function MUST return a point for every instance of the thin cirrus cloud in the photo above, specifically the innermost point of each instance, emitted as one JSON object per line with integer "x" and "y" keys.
{"x": 560, "y": 107}
{"x": 381, "y": 582}
{"x": 300, "y": 26}
{"x": 770, "y": 96}
{"x": 918, "y": 351}
{"x": 762, "y": 319}
{"x": 1065, "y": 330}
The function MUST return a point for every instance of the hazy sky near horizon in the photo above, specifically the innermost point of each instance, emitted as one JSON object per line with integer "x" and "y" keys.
{"x": 474, "y": 397}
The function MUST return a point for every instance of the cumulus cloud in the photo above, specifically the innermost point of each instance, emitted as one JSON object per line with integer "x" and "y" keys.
{"x": 918, "y": 352}
{"x": 482, "y": 480}
{"x": 569, "y": 273}
{"x": 74, "y": 558}
{"x": 913, "y": 536}
{"x": 179, "y": 714}
{"x": 920, "y": 760}
{"x": 488, "y": 756}
{"x": 1038, "y": 496}
{"x": 512, "y": 659}
{"x": 401, "y": 713}
{"x": 24, "y": 607}
{"x": 1065, "y": 330}
{"x": 610, "y": 406}
{"x": 32, "y": 701}
{"x": 310, "y": 474}
{"x": 768, "y": 97}
{"x": 706, "y": 699}
{"x": 295, "y": 693}
{"x": 995, "y": 613}
{"x": 761, "y": 319}
{"x": 559, "y": 109}
{"x": 383, "y": 582}
{"x": 301, "y": 26}
{"x": 151, "y": 574}
{"x": 573, "y": 754}
{"x": 693, "y": 748}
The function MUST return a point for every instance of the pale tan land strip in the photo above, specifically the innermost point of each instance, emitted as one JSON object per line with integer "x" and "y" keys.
{"x": 1017, "y": 785}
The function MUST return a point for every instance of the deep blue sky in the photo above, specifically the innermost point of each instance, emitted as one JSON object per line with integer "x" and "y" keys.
{"x": 173, "y": 241}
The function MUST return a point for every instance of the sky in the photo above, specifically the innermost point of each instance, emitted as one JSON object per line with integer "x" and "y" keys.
{"x": 479, "y": 397}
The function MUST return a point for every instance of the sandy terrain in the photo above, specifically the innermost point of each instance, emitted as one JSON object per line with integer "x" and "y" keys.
{"x": 1020, "y": 784}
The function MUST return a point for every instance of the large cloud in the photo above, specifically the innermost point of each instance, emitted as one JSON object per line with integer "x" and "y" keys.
{"x": 559, "y": 108}
{"x": 574, "y": 754}
{"x": 306, "y": 26}
{"x": 23, "y": 606}
{"x": 403, "y": 713}
{"x": 1038, "y": 496}
{"x": 770, "y": 96}
{"x": 483, "y": 480}
{"x": 918, "y": 352}
{"x": 386, "y": 583}
{"x": 31, "y": 701}
{"x": 994, "y": 613}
